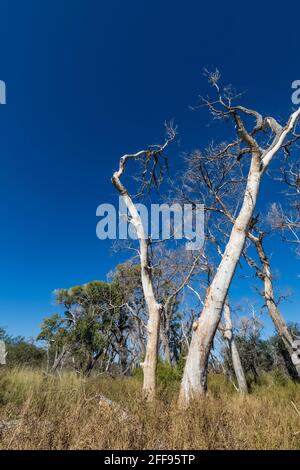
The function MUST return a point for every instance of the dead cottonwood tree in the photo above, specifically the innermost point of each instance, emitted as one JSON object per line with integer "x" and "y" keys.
{"x": 254, "y": 145}
{"x": 150, "y": 159}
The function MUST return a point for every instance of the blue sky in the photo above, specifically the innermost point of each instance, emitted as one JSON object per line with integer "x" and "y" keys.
{"x": 90, "y": 80}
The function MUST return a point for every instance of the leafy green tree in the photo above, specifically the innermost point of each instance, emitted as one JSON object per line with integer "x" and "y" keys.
{"x": 87, "y": 329}
{"x": 22, "y": 352}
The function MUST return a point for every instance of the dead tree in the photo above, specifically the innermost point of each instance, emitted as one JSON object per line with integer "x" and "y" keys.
{"x": 265, "y": 274}
{"x": 247, "y": 142}
{"x": 219, "y": 203}
{"x": 149, "y": 156}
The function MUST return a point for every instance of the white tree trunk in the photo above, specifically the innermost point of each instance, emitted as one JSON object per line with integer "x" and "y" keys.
{"x": 194, "y": 379}
{"x": 3, "y": 353}
{"x": 195, "y": 372}
{"x": 59, "y": 359}
{"x": 165, "y": 343}
{"x": 235, "y": 356}
{"x": 154, "y": 308}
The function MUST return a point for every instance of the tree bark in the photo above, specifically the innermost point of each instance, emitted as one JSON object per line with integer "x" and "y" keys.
{"x": 166, "y": 345}
{"x": 3, "y": 353}
{"x": 235, "y": 356}
{"x": 59, "y": 359}
{"x": 154, "y": 308}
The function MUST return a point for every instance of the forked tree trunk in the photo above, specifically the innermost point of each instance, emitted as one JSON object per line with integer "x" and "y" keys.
{"x": 194, "y": 379}
{"x": 234, "y": 353}
{"x": 273, "y": 310}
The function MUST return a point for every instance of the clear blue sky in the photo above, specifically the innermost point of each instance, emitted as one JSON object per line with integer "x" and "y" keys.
{"x": 88, "y": 80}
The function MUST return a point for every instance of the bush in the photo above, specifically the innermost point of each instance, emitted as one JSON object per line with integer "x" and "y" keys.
{"x": 25, "y": 354}
{"x": 166, "y": 374}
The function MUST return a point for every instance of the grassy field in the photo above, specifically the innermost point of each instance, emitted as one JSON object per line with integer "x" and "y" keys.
{"x": 68, "y": 412}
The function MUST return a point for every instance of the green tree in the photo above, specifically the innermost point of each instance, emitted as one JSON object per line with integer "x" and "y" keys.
{"x": 22, "y": 352}
{"x": 87, "y": 329}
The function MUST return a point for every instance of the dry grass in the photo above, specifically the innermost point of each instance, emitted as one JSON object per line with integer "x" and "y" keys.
{"x": 66, "y": 412}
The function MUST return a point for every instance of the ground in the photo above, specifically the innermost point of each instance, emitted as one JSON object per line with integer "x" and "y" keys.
{"x": 69, "y": 412}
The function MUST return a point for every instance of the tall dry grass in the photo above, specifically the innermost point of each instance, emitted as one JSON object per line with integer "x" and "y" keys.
{"x": 67, "y": 412}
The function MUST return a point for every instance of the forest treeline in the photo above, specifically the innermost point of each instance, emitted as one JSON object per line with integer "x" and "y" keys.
{"x": 102, "y": 341}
